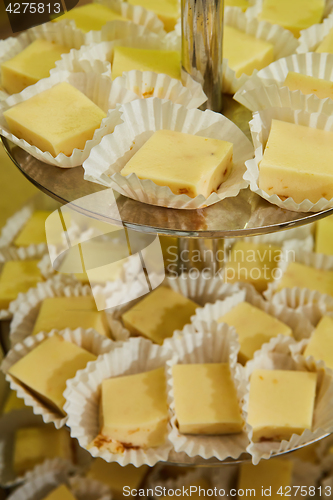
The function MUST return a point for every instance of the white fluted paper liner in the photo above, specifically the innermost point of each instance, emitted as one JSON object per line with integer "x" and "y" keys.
{"x": 260, "y": 128}
{"x": 26, "y": 306}
{"x": 311, "y": 64}
{"x": 299, "y": 297}
{"x": 149, "y": 84}
{"x": 174, "y": 37}
{"x": 200, "y": 289}
{"x": 141, "y": 119}
{"x": 32, "y": 252}
{"x": 89, "y": 340}
{"x": 117, "y": 30}
{"x": 10, "y": 423}
{"x": 283, "y": 41}
{"x": 40, "y": 486}
{"x": 263, "y": 97}
{"x": 14, "y": 224}
{"x": 136, "y": 14}
{"x": 310, "y": 303}
{"x": 211, "y": 313}
{"x": 96, "y": 87}
{"x": 89, "y": 489}
{"x": 276, "y": 356}
{"x": 313, "y": 36}
{"x": 207, "y": 346}
{"x": 83, "y": 395}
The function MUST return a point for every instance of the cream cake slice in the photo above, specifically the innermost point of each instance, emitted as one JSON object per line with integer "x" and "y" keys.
{"x": 30, "y": 65}
{"x": 134, "y": 412}
{"x": 187, "y": 164}
{"x": 244, "y": 52}
{"x": 309, "y": 85}
{"x": 206, "y": 399}
{"x": 159, "y": 61}
{"x": 297, "y": 163}
{"x": 57, "y": 120}
{"x": 281, "y": 403}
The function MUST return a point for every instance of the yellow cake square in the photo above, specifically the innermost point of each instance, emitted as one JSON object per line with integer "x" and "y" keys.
{"x": 281, "y": 403}
{"x": 244, "y": 52}
{"x": 17, "y": 276}
{"x": 309, "y": 85}
{"x": 30, "y": 65}
{"x": 327, "y": 44}
{"x": 168, "y": 11}
{"x": 46, "y": 369}
{"x": 33, "y": 445}
{"x": 302, "y": 276}
{"x": 324, "y": 236}
{"x": 92, "y": 16}
{"x": 252, "y": 263}
{"x": 117, "y": 477}
{"x": 70, "y": 312}
{"x": 187, "y": 164}
{"x": 33, "y": 232}
{"x": 320, "y": 345}
{"x": 206, "y": 399}
{"x": 254, "y": 327}
{"x": 269, "y": 475}
{"x": 74, "y": 119}
{"x": 297, "y": 163}
{"x": 60, "y": 493}
{"x": 159, "y": 314}
{"x": 159, "y": 61}
{"x": 134, "y": 411}
{"x": 294, "y": 16}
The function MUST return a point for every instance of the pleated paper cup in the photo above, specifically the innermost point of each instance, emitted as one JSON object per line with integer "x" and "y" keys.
{"x": 136, "y": 14}
{"x": 89, "y": 489}
{"x": 296, "y": 297}
{"x": 207, "y": 346}
{"x": 313, "y": 36}
{"x": 102, "y": 52}
{"x": 201, "y": 290}
{"x": 96, "y": 87}
{"x": 10, "y": 423}
{"x": 83, "y": 399}
{"x": 141, "y": 119}
{"x": 273, "y": 96}
{"x": 27, "y": 305}
{"x": 61, "y": 33}
{"x": 211, "y": 313}
{"x": 7, "y": 254}
{"x": 260, "y": 128}
{"x": 40, "y": 486}
{"x": 310, "y": 302}
{"x": 283, "y": 41}
{"x": 276, "y": 356}
{"x": 117, "y": 30}
{"x": 310, "y": 64}
{"x": 89, "y": 340}
{"x": 149, "y": 84}
{"x": 14, "y": 225}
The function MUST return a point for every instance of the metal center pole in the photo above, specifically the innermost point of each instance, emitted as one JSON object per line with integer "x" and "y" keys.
{"x": 202, "y": 36}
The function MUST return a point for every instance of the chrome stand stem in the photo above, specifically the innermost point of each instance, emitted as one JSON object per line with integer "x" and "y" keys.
{"x": 202, "y": 36}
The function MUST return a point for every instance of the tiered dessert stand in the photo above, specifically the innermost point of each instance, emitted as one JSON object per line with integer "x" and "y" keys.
{"x": 245, "y": 215}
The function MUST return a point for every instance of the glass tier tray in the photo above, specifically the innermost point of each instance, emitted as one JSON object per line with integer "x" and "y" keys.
{"x": 245, "y": 215}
